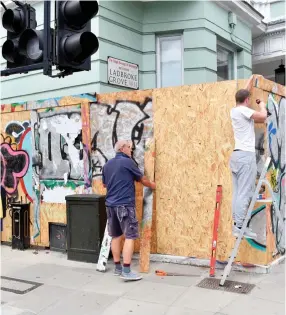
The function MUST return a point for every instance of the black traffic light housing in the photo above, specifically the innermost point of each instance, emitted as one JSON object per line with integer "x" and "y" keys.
{"x": 75, "y": 43}
{"x": 16, "y": 21}
{"x": 69, "y": 47}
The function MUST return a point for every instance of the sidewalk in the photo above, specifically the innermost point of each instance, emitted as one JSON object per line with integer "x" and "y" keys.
{"x": 75, "y": 288}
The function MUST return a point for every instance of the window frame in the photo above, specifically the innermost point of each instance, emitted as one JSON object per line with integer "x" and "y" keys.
{"x": 232, "y": 50}
{"x": 158, "y": 56}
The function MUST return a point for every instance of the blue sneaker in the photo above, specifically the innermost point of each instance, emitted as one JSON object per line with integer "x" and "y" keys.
{"x": 130, "y": 276}
{"x": 117, "y": 271}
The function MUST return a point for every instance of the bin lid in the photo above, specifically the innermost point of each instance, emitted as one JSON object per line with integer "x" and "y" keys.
{"x": 87, "y": 197}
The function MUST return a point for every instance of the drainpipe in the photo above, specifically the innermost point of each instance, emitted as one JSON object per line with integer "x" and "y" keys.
{"x": 232, "y": 21}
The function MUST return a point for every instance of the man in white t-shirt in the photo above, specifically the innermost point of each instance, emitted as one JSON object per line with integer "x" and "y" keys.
{"x": 243, "y": 159}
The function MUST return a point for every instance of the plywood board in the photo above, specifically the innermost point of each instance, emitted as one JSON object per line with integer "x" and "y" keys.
{"x": 16, "y": 145}
{"x": 50, "y": 212}
{"x": 124, "y": 115}
{"x": 194, "y": 141}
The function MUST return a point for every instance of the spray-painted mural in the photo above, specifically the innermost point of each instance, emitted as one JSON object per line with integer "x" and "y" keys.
{"x": 45, "y": 157}
{"x": 276, "y": 149}
{"x": 276, "y": 141}
{"x": 62, "y": 144}
{"x": 15, "y": 159}
{"x": 123, "y": 120}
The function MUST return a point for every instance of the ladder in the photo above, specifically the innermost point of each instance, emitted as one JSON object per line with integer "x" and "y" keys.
{"x": 261, "y": 181}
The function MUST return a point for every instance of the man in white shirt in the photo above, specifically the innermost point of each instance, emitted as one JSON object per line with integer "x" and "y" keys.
{"x": 243, "y": 160}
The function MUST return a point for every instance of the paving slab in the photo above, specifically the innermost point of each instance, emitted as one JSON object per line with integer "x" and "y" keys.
{"x": 271, "y": 291}
{"x": 173, "y": 310}
{"x": 10, "y": 310}
{"x": 155, "y": 292}
{"x": 76, "y": 288}
{"x": 109, "y": 284}
{"x": 205, "y": 300}
{"x": 38, "y": 272}
{"x": 80, "y": 303}
{"x": 9, "y": 297}
{"x": 254, "y": 306}
{"x": 124, "y": 306}
{"x": 70, "y": 279}
{"x": 42, "y": 297}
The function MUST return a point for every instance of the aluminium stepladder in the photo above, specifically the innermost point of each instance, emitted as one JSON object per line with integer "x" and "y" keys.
{"x": 261, "y": 181}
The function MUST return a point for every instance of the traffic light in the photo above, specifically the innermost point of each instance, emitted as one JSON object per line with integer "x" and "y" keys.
{"x": 18, "y": 22}
{"x": 75, "y": 43}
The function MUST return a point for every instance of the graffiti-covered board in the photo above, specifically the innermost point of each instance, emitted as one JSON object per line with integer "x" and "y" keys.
{"x": 16, "y": 164}
{"x": 117, "y": 116}
{"x": 56, "y": 147}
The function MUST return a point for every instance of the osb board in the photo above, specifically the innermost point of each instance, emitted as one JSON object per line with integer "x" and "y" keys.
{"x": 269, "y": 86}
{"x": 50, "y": 212}
{"x": 137, "y": 97}
{"x": 193, "y": 144}
{"x": 134, "y": 96}
{"x": 15, "y": 143}
{"x": 194, "y": 141}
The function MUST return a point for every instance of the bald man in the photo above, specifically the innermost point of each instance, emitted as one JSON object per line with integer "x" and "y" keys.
{"x": 118, "y": 177}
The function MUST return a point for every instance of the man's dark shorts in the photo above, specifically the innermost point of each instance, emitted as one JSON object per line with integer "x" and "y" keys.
{"x": 122, "y": 220}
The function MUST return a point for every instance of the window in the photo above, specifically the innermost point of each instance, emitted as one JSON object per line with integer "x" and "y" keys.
{"x": 226, "y": 63}
{"x": 169, "y": 61}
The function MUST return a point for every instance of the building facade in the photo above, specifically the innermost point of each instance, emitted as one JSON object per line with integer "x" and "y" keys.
{"x": 172, "y": 42}
{"x": 269, "y": 40}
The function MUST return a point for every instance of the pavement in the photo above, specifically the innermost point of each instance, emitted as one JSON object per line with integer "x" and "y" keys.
{"x": 76, "y": 288}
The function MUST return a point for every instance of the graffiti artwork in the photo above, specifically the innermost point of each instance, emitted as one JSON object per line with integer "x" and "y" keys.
{"x": 15, "y": 161}
{"x": 58, "y": 145}
{"x": 124, "y": 120}
{"x": 14, "y": 165}
{"x": 276, "y": 141}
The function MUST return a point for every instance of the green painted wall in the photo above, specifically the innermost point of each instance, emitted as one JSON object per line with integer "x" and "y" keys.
{"x": 128, "y": 30}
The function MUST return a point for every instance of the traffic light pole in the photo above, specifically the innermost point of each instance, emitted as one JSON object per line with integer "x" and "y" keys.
{"x": 46, "y": 64}
{"x": 47, "y": 58}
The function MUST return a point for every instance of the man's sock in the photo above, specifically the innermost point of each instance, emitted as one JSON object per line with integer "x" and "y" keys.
{"x": 126, "y": 268}
{"x": 118, "y": 265}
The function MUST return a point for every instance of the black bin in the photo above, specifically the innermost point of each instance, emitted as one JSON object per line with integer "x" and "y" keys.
{"x": 20, "y": 214}
{"x": 86, "y": 221}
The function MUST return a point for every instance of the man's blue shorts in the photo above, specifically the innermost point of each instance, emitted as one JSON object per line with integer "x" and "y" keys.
{"x": 122, "y": 220}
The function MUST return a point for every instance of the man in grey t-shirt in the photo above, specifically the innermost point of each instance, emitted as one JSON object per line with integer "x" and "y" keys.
{"x": 243, "y": 160}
